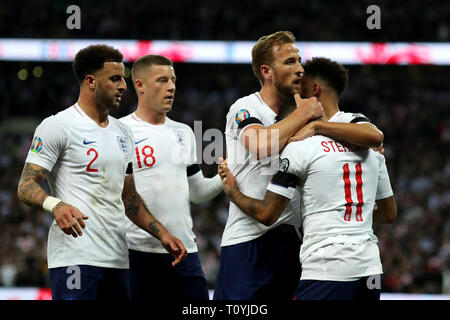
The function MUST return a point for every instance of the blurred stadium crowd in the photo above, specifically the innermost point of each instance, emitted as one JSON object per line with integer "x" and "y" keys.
{"x": 410, "y": 104}
{"x": 318, "y": 20}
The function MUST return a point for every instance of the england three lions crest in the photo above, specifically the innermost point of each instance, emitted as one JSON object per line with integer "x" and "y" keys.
{"x": 123, "y": 145}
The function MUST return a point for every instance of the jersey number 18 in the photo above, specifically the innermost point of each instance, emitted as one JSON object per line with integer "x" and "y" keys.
{"x": 147, "y": 153}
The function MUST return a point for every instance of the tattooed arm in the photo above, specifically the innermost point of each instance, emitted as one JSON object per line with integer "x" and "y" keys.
{"x": 266, "y": 211}
{"x": 137, "y": 211}
{"x": 30, "y": 192}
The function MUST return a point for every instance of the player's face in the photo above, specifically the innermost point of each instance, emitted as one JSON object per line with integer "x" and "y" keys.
{"x": 110, "y": 85}
{"x": 159, "y": 88}
{"x": 286, "y": 69}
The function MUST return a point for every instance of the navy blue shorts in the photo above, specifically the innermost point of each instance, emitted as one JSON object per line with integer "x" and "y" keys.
{"x": 84, "y": 282}
{"x": 266, "y": 268}
{"x": 363, "y": 289}
{"x": 153, "y": 277}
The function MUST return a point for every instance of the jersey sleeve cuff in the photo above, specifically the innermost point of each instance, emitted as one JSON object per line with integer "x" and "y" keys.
{"x": 287, "y": 192}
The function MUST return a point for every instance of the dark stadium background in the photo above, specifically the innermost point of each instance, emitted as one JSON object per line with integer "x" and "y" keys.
{"x": 410, "y": 104}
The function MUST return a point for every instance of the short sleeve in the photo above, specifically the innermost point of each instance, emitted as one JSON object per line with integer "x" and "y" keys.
{"x": 130, "y": 136}
{"x": 348, "y": 117}
{"x": 384, "y": 189}
{"x": 193, "y": 158}
{"x": 285, "y": 181}
{"x": 359, "y": 118}
{"x": 240, "y": 116}
{"x": 49, "y": 141}
{"x": 193, "y": 166}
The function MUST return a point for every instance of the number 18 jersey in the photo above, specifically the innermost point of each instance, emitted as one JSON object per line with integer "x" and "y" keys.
{"x": 160, "y": 157}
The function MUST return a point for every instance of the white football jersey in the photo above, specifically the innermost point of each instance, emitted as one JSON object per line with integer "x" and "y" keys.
{"x": 252, "y": 175}
{"x": 160, "y": 158}
{"x": 87, "y": 166}
{"x": 338, "y": 186}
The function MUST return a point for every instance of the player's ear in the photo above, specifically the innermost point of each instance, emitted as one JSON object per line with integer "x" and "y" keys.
{"x": 316, "y": 90}
{"x": 266, "y": 72}
{"x": 139, "y": 86}
{"x": 89, "y": 81}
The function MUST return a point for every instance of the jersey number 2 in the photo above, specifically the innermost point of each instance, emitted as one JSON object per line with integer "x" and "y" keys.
{"x": 348, "y": 192}
{"x": 89, "y": 169}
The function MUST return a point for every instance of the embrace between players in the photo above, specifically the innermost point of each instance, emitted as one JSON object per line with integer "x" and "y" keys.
{"x": 121, "y": 189}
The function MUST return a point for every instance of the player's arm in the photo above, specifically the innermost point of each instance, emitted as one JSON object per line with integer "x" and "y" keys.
{"x": 266, "y": 211}
{"x": 30, "y": 192}
{"x": 360, "y": 134}
{"x": 137, "y": 211}
{"x": 202, "y": 189}
{"x": 262, "y": 142}
{"x": 385, "y": 211}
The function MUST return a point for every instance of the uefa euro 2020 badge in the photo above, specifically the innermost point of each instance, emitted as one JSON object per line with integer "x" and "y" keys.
{"x": 242, "y": 115}
{"x": 36, "y": 145}
{"x": 123, "y": 145}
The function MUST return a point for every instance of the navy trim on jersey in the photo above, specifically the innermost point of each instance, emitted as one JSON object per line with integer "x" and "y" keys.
{"x": 285, "y": 179}
{"x": 130, "y": 168}
{"x": 360, "y": 119}
{"x": 192, "y": 169}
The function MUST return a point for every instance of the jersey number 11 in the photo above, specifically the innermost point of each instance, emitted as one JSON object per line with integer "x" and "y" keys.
{"x": 348, "y": 192}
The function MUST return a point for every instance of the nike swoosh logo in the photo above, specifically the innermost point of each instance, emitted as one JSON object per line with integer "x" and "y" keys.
{"x": 140, "y": 141}
{"x": 87, "y": 142}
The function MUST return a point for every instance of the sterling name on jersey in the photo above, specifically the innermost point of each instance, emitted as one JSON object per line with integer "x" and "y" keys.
{"x": 87, "y": 166}
{"x": 252, "y": 175}
{"x": 160, "y": 158}
{"x": 338, "y": 186}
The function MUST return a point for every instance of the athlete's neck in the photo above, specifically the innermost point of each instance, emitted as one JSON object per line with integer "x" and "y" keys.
{"x": 330, "y": 106}
{"x": 271, "y": 98}
{"x": 150, "y": 115}
{"x": 93, "y": 109}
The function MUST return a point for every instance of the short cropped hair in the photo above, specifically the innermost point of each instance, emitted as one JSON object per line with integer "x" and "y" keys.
{"x": 328, "y": 70}
{"x": 147, "y": 61}
{"x": 91, "y": 59}
{"x": 262, "y": 52}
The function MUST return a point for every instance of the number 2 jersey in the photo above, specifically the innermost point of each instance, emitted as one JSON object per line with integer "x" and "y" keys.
{"x": 338, "y": 186}
{"x": 160, "y": 157}
{"x": 87, "y": 165}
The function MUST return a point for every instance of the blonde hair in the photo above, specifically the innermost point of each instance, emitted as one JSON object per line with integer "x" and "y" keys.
{"x": 262, "y": 52}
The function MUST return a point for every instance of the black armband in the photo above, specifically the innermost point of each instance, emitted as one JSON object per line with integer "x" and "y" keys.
{"x": 247, "y": 122}
{"x": 129, "y": 168}
{"x": 284, "y": 179}
{"x": 360, "y": 118}
{"x": 192, "y": 169}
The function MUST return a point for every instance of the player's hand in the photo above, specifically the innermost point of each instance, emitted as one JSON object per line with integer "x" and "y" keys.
{"x": 69, "y": 219}
{"x": 311, "y": 106}
{"x": 228, "y": 180}
{"x": 307, "y": 131}
{"x": 174, "y": 246}
{"x": 220, "y": 167}
{"x": 379, "y": 149}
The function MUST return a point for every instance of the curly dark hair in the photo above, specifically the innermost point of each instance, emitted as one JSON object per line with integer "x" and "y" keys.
{"x": 92, "y": 58}
{"x": 328, "y": 70}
